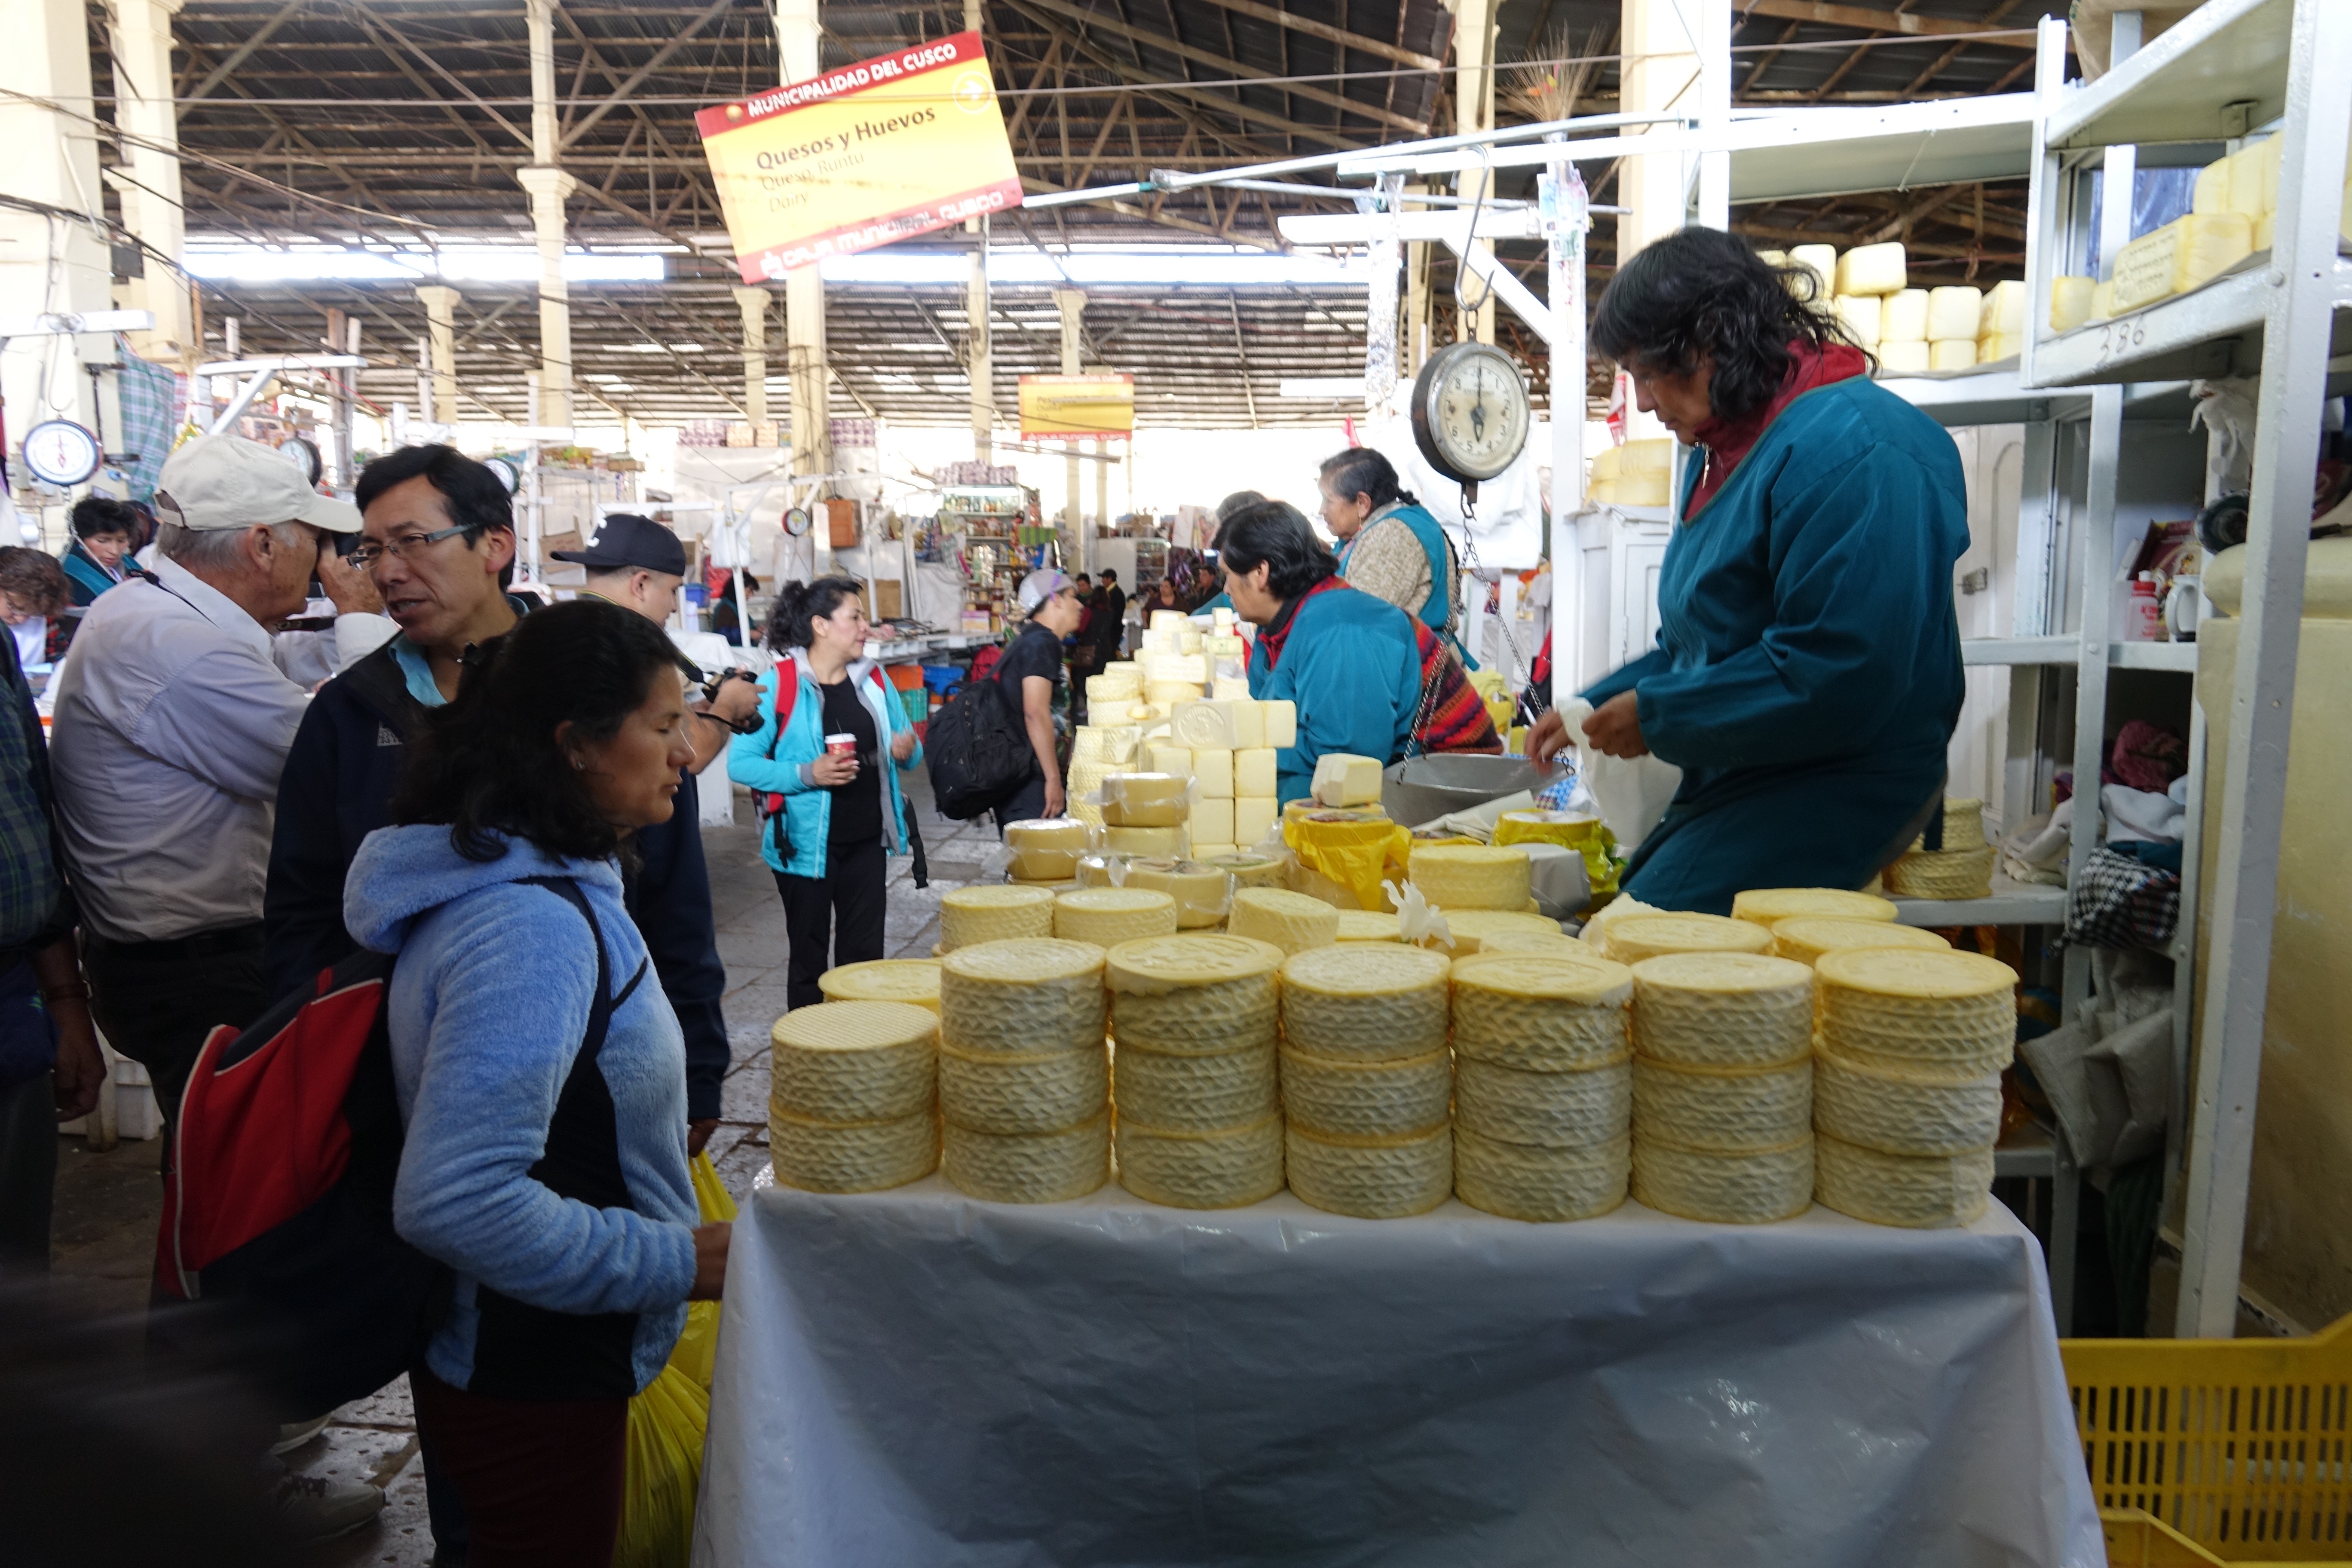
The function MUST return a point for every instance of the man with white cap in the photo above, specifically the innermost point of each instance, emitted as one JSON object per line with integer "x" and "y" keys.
{"x": 1030, "y": 670}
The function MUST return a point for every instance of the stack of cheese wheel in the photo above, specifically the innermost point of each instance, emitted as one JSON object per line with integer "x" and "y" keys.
{"x": 993, "y": 912}
{"x": 1469, "y": 931}
{"x": 1200, "y": 1126}
{"x": 1203, "y": 894}
{"x": 1908, "y": 1086}
{"x": 1543, "y": 1084}
{"x": 915, "y": 979}
{"x": 1363, "y": 925}
{"x": 1962, "y": 869}
{"x": 1471, "y": 876}
{"x": 1723, "y": 1126}
{"x": 1767, "y": 906}
{"x": 1247, "y": 870}
{"x": 1633, "y": 937}
{"x": 1806, "y": 938}
{"x": 1145, "y": 814}
{"x": 1117, "y": 687}
{"x": 1554, "y": 940}
{"x": 1108, "y": 915}
{"x": 1292, "y": 922}
{"x": 1366, "y": 1081}
{"x": 1024, "y": 1071}
{"x": 850, "y": 1104}
{"x": 1047, "y": 849}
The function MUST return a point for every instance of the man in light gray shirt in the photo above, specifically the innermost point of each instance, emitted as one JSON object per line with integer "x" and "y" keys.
{"x": 172, "y": 726}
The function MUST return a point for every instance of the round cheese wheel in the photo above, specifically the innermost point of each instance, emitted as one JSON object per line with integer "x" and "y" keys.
{"x": 1025, "y": 996}
{"x": 1363, "y": 925}
{"x": 1752, "y": 1188}
{"x": 1518, "y": 1181}
{"x": 1365, "y": 1002}
{"x": 1544, "y": 1110}
{"x": 1923, "y": 1192}
{"x": 1213, "y": 1089}
{"x": 1145, "y": 800}
{"x": 1247, "y": 871}
{"x": 1637, "y": 937}
{"x": 1554, "y": 940}
{"x": 1901, "y": 1110}
{"x": 1194, "y": 995}
{"x": 1149, "y": 843}
{"x": 1372, "y": 1179}
{"x": 1027, "y": 1167}
{"x": 818, "y": 1157}
{"x": 1108, "y": 915}
{"x": 1471, "y": 876}
{"x": 1046, "y": 849}
{"x": 1542, "y": 1012}
{"x": 1001, "y": 1091}
{"x": 1806, "y": 938}
{"x": 1943, "y": 874}
{"x": 1352, "y": 1097}
{"x": 854, "y": 1061}
{"x": 1958, "y": 1010}
{"x": 913, "y": 980}
{"x": 1722, "y": 1009}
{"x": 1199, "y": 1168}
{"x": 1467, "y": 930}
{"x": 993, "y": 912}
{"x": 1723, "y": 1110}
{"x": 1292, "y": 922}
{"x": 1766, "y": 905}
{"x": 1202, "y": 893}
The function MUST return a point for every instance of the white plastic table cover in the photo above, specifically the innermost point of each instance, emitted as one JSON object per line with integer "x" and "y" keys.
{"x": 913, "y": 1378}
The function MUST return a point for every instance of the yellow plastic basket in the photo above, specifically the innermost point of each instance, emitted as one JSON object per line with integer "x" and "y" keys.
{"x": 2242, "y": 1448}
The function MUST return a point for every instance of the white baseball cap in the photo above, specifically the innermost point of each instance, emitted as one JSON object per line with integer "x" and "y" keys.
{"x": 225, "y": 481}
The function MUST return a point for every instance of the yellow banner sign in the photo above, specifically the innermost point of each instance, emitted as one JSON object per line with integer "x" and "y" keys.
{"x": 891, "y": 147}
{"x": 1070, "y": 405}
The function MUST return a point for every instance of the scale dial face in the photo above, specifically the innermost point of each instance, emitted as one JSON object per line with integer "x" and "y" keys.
{"x": 304, "y": 455}
{"x": 796, "y": 520}
{"x": 60, "y": 452}
{"x": 1470, "y": 411}
{"x": 509, "y": 473}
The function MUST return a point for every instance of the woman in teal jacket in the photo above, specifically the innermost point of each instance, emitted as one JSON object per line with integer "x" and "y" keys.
{"x": 1348, "y": 661}
{"x": 1806, "y": 676}
{"x": 818, "y": 754}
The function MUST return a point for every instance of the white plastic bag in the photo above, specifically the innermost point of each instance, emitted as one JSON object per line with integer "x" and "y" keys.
{"x": 1631, "y": 797}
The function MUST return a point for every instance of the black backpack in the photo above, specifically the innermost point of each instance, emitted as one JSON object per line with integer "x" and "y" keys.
{"x": 978, "y": 749}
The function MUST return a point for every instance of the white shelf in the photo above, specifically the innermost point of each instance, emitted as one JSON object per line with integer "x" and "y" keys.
{"x": 2178, "y": 657}
{"x": 2028, "y": 1151}
{"x": 1897, "y": 147}
{"x": 2176, "y": 88}
{"x": 2174, "y": 656}
{"x": 2215, "y": 331}
{"x": 1990, "y": 397}
{"x": 2011, "y": 904}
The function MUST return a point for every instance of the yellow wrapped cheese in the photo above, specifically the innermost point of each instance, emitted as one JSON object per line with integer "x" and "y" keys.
{"x": 1471, "y": 876}
{"x": 1046, "y": 849}
{"x": 2180, "y": 256}
{"x": 911, "y": 980}
{"x": 2069, "y": 302}
{"x": 1203, "y": 893}
{"x": 1145, "y": 800}
{"x": 1870, "y": 270}
{"x": 1766, "y": 905}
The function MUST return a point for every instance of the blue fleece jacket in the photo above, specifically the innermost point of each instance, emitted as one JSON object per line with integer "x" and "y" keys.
{"x": 488, "y": 1005}
{"x": 770, "y": 763}
{"x": 1353, "y": 670}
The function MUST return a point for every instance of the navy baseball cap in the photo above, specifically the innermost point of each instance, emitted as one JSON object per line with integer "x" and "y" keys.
{"x": 624, "y": 541}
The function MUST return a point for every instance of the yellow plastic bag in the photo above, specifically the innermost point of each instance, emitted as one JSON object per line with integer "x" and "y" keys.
{"x": 1587, "y": 835}
{"x": 1355, "y": 849}
{"x": 667, "y": 1422}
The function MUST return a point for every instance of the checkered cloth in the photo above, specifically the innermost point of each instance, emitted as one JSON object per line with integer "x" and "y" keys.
{"x": 2120, "y": 902}
{"x": 153, "y": 400}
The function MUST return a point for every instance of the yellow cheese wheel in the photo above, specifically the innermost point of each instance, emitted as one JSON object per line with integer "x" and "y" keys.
{"x": 1549, "y": 1012}
{"x": 854, "y": 1061}
{"x": 914, "y": 979}
{"x": 1246, "y": 869}
{"x": 993, "y": 912}
{"x": 1723, "y": 1109}
{"x": 1046, "y": 849}
{"x": 1202, "y": 893}
{"x": 1037, "y": 995}
{"x": 1752, "y": 1188}
{"x": 1110, "y": 693}
{"x": 1637, "y": 937}
{"x": 1145, "y": 800}
{"x": 1352, "y": 1097}
{"x": 1027, "y": 1167}
{"x": 1471, "y": 876}
{"x": 1222, "y": 1168}
{"x": 1519, "y": 1181}
{"x": 1766, "y": 905}
{"x": 1042, "y": 1091}
{"x": 1901, "y": 1110}
{"x": 1365, "y": 1002}
{"x": 1928, "y": 1191}
{"x": 1221, "y": 1089}
{"x": 1467, "y": 930}
{"x": 1292, "y": 922}
{"x": 1372, "y": 1179}
{"x": 1943, "y": 874}
{"x": 1194, "y": 994}
{"x": 1722, "y": 1009}
{"x": 1108, "y": 915}
{"x": 1553, "y": 941}
{"x": 1805, "y": 938}
{"x": 1108, "y": 743}
{"x": 1363, "y": 925}
{"x": 1147, "y": 843}
{"x": 1546, "y": 1110}
{"x": 1954, "y": 1010}
{"x": 819, "y": 1157}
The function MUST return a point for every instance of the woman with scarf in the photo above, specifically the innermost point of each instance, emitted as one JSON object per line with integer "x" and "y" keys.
{"x": 1806, "y": 676}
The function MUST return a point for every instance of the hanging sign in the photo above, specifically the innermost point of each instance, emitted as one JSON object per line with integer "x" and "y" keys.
{"x": 1061, "y": 407}
{"x": 884, "y": 150}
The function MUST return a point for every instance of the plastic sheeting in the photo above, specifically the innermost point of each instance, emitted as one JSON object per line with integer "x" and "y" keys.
{"x": 911, "y": 1377}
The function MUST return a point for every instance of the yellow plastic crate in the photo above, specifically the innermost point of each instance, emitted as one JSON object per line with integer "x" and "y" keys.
{"x": 2242, "y": 1448}
{"x": 2137, "y": 1539}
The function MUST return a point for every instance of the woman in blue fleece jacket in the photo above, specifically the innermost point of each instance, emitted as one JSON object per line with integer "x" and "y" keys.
{"x": 552, "y": 1179}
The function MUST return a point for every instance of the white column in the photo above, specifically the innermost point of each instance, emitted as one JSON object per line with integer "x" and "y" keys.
{"x": 441, "y": 327}
{"x": 1383, "y": 361}
{"x": 753, "y": 303}
{"x": 977, "y": 364}
{"x": 1072, "y": 303}
{"x": 140, "y": 37}
{"x": 1561, "y": 191}
{"x": 1474, "y": 110}
{"x": 797, "y": 37}
{"x": 1660, "y": 75}
{"x": 549, "y": 187}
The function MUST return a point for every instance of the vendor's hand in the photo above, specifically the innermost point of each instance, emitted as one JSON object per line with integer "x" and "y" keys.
{"x": 352, "y": 590}
{"x": 833, "y": 769}
{"x": 1550, "y": 736}
{"x": 697, "y": 1136}
{"x": 710, "y": 1261}
{"x": 1056, "y": 802}
{"x": 737, "y": 701}
{"x": 902, "y": 745}
{"x": 1615, "y": 728}
{"x": 81, "y": 1065}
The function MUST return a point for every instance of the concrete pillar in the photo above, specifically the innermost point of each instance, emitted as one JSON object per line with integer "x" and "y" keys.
{"x": 441, "y": 327}
{"x": 1474, "y": 110}
{"x": 753, "y": 303}
{"x": 1413, "y": 341}
{"x": 1102, "y": 504}
{"x": 1072, "y": 303}
{"x": 549, "y": 187}
{"x": 977, "y": 364}
{"x": 140, "y": 36}
{"x": 1661, "y": 75}
{"x": 797, "y": 37}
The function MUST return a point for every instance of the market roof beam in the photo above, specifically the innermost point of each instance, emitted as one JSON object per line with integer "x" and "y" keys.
{"x": 1906, "y": 21}
{"x": 243, "y": 52}
{"x": 624, "y": 90}
{"x": 1331, "y": 35}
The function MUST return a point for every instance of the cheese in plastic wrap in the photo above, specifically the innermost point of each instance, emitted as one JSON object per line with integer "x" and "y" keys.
{"x": 1145, "y": 800}
{"x": 1356, "y": 851}
{"x": 1870, "y": 270}
{"x": 1046, "y": 849}
{"x": 1905, "y": 318}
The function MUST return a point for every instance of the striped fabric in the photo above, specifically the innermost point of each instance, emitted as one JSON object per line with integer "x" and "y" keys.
{"x": 1452, "y": 717}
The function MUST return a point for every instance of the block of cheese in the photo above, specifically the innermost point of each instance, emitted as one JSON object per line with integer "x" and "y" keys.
{"x": 1213, "y": 821}
{"x": 1822, "y": 261}
{"x": 1046, "y": 849}
{"x": 2180, "y": 256}
{"x": 1362, "y": 1002}
{"x": 1229, "y": 688}
{"x": 1371, "y": 1179}
{"x": 1112, "y": 688}
{"x": 1279, "y": 718}
{"x": 1225, "y": 645}
{"x": 1189, "y": 641}
{"x": 1223, "y": 1168}
{"x": 1108, "y": 915}
{"x": 1861, "y": 314}
{"x": 1773, "y": 258}
{"x": 2266, "y": 226}
{"x": 1731, "y": 1110}
{"x": 1468, "y": 930}
{"x": 1722, "y": 1009}
{"x": 1342, "y": 778}
{"x": 1546, "y": 1012}
{"x": 1352, "y": 1097}
{"x": 1205, "y": 725}
{"x": 1199, "y": 1090}
{"x": 1201, "y": 892}
{"x": 1952, "y": 354}
{"x": 1174, "y": 670}
{"x": 1253, "y": 771}
{"x": 913, "y": 980}
{"x": 1637, "y": 937}
{"x": 1213, "y": 767}
{"x": 2103, "y": 299}
{"x": 2069, "y": 302}
{"x": 1145, "y": 800}
{"x": 2254, "y": 178}
{"x": 1805, "y": 938}
{"x": 1548, "y": 1110}
{"x": 1170, "y": 620}
{"x": 1957, "y": 1011}
{"x": 1249, "y": 723}
{"x": 1649, "y": 454}
{"x": 1168, "y": 695}
{"x": 1027, "y": 1167}
{"x": 1537, "y": 942}
{"x": 1751, "y": 1188}
{"x": 1205, "y": 851}
{"x": 1903, "y": 358}
{"x": 1519, "y": 1181}
{"x": 1254, "y": 821}
{"x": 1113, "y": 744}
{"x": 1870, "y": 270}
{"x": 1036, "y": 995}
{"x": 1246, "y": 869}
{"x": 1904, "y": 320}
{"x": 1953, "y": 312}
{"x": 1642, "y": 489}
{"x": 1764, "y": 906}
{"x": 2213, "y": 190}
{"x": 818, "y": 1157}
{"x": 1901, "y": 1110}
{"x": 1369, "y": 925}
{"x": 1194, "y": 994}
{"x": 1156, "y": 843}
{"x": 1928, "y": 1191}
{"x": 1292, "y": 922}
{"x": 1472, "y": 876}
{"x": 2000, "y": 346}
{"x": 1034, "y": 1091}
{"x": 1173, "y": 760}
{"x": 2003, "y": 310}
{"x": 854, "y": 1061}
{"x": 993, "y": 913}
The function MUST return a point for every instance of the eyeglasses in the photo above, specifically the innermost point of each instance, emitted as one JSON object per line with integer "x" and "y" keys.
{"x": 367, "y": 556}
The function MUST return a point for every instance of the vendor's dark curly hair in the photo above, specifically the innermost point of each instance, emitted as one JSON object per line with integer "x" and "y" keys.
{"x": 798, "y": 603}
{"x": 1278, "y": 534}
{"x": 1702, "y": 292}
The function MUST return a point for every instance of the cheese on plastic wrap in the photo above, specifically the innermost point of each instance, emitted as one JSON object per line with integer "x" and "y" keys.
{"x": 1368, "y": 925}
{"x": 1213, "y": 767}
{"x": 1350, "y": 1097}
{"x": 1156, "y": 843}
{"x": 1084, "y": 779}
{"x": 985, "y": 913}
{"x": 1999, "y": 346}
{"x": 1206, "y": 726}
{"x": 1806, "y": 938}
{"x": 1722, "y": 1009}
{"x": 1636, "y": 937}
{"x": 1723, "y": 1109}
{"x": 1037, "y": 1091}
{"x": 1952, "y": 354}
{"x": 818, "y": 1157}
{"x": 912, "y": 979}
{"x": 1292, "y": 922}
{"x": 1201, "y": 891}
{"x": 1861, "y": 313}
{"x": 1953, "y": 312}
{"x": 1175, "y": 760}
{"x": 1362, "y": 1002}
{"x": 1027, "y": 996}
{"x": 2069, "y": 302}
{"x": 1956, "y": 1011}
{"x": 1254, "y": 772}
{"x": 1203, "y": 851}
{"x": 1253, "y": 821}
{"x": 1170, "y": 620}
{"x": 1929, "y": 1192}
{"x": 1343, "y": 779}
{"x": 1905, "y": 318}
{"x": 1027, "y": 1167}
{"x": 1900, "y": 1110}
{"x": 1145, "y": 800}
{"x": 1229, "y": 688}
{"x": 1114, "y": 744}
{"x": 1649, "y": 454}
{"x": 854, "y": 1061}
{"x": 2003, "y": 310}
{"x": 2103, "y": 299}
{"x": 1174, "y": 670}
{"x": 2179, "y": 256}
{"x": 1753, "y": 1188}
{"x": 1519, "y": 1181}
{"x": 1642, "y": 489}
{"x": 1546, "y": 1012}
{"x": 1046, "y": 849}
{"x": 1903, "y": 359}
{"x": 1870, "y": 270}
{"x": 1220, "y": 1089}
{"x": 1371, "y": 1179}
{"x": 1471, "y": 876}
{"x": 2213, "y": 190}
{"x": 1469, "y": 929}
{"x": 1201, "y": 1169}
{"x": 2254, "y": 178}
{"x": 1194, "y": 994}
{"x": 1170, "y": 695}
{"x": 1213, "y": 821}
{"x": 1108, "y": 915}
{"x": 1548, "y": 1110}
{"x": 1823, "y": 260}
{"x": 1766, "y": 906}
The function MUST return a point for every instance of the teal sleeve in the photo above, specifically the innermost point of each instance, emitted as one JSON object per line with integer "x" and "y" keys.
{"x": 748, "y": 761}
{"x": 1625, "y": 676}
{"x": 1345, "y": 702}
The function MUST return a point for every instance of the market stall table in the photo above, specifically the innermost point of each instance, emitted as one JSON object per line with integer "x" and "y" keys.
{"x": 912, "y": 1377}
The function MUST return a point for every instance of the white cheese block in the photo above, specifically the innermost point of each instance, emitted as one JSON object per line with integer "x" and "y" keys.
{"x": 1292, "y": 922}
{"x": 2179, "y": 256}
{"x": 1252, "y": 820}
{"x": 1469, "y": 929}
{"x": 1904, "y": 1110}
{"x": 1472, "y": 876}
{"x": 1360, "y": 1000}
{"x": 1145, "y": 800}
{"x": 1521, "y": 1181}
{"x": 2212, "y": 191}
{"x": 1220, "y": 1168}
{"x": 1037, "y": 995}
{"x": 1174, "y": 668}
{"x": 854, "y": 1061}
{"x": 1754, "y": 1188}
{"x": 1196, "y": 994}
{"x": 1201, "y": 893}
{"x": 1905, "y": 318}
{"x": 1170, "y": 620}
{"x": 1642, "y": 489}
{"x": 1870, "y": 270}
{"x": 1046, "y": 849}
{"x": 1929, "y": 1192}
{"x": 1168, "y": 695}
{"x": 1109, "y": 689}
{"x": 2254, "y": 178}
{"x": 1225, "y": 646}
{"x": 1368, "y": 925}
{"x": 1650, "y": 454}
{"x": 1773, "y": 258}
{"x": 817, "y": 1157}
{"x": 1212, "y": 819}
{"x": 1203, "y": 851}
{"x": 1343, "y": 779}
{"x": 2069, "y": 302}
{"x": 1158, "y": 843}
{"x": 1213, "y": 767}
{"x": 1637, "y": 937}
{"x": 1174, "y": 760}
{"x": 1861, "y": 313}
{"x": 1952, "y": 354}
{"x": 1196, "y": 1091}
{"x": 1280, "y": 717}
{"x": 1764, "y": 906}
{"x": 1548, "y": 1011}
{"x": 1112, "y": 743}
{"x": 1027, "y": 1167}
{"x": 1805, "y": 938}
{"x": 1386, "y": 1179}
{"x": 1956, "y": 1011}
{"x": 1350, "y": 1097}
{"x": 913, "y": 980}
{"x": 1999, "y": 346}
{"x": 1037, "y": 1091}
{"x": 1821, "y": 260}
{"x": 1229, "y": 688}
{"x": 1732, "y": 1109}
{"x": 1108, "y": 915}
{"x": 1550, "y": 1110}
{"x": 1203, "y": 725}
{"x": 1189, "y": 641}
{"x": 1246, "y": 869}
{"x": 1953, "y": 310}
{"x": 1903, "y": 358}
{"x": 2266, "y": 226}
{"x": 1722, "y": 1009}
{"x": 2003, "y": 310}
{"x": 2103, "y": 299}
{"x": 987, "y": 913}
{"x": 1122, "y": 671}
{"x": 1254, "y": 772}
{"x": 1249, "y": 724}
